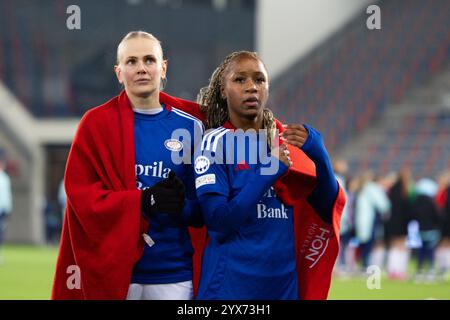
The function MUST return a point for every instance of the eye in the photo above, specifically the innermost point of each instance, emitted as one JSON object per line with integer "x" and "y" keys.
{"x": 149, "y": 60}
{"x": 239, "y": 79}
{"x": 261, "y": 80}
{"x": 131, "y": 61}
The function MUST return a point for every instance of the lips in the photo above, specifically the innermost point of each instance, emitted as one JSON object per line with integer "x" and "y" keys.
{"x": 142, "y": 81}
{"x": 251, "y": 102}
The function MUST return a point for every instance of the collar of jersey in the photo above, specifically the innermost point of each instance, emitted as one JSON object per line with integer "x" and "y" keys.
{"x": 152, "y": 117}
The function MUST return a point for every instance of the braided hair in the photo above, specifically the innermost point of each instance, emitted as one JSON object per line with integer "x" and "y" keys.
{"x": 216, "y": 108}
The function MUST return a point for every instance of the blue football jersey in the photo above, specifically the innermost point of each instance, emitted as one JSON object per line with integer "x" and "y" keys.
{"x": 256, "y": 261}
{"x": 164, "y": 142}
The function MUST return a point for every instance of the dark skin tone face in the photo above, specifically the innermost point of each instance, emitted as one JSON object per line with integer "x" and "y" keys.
{"x": 246, "y": 89}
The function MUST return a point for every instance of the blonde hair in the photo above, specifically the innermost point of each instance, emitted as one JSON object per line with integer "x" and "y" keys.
{"x": 216, "y": 108}
{"x": 137, "y": 34}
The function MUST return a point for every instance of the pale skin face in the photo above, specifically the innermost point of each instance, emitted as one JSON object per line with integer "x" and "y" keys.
{"x": 140, "y": 69}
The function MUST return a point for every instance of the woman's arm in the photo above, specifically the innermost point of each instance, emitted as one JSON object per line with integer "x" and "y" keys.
{"x": 310, "y": 141}
{"x": 226, "y": 215}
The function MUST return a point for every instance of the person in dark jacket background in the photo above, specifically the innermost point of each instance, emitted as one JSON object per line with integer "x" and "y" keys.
{"x": 425, "y": 212}
{"x": 396, "y": 226}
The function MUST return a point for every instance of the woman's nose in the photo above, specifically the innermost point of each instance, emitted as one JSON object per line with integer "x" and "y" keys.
{"x": 251, "y": 87}
{"x": 141, "y": 67}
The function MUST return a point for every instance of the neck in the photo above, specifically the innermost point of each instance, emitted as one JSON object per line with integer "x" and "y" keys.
{"x": 150, "y": 102}
{"x": 247, "y": 123}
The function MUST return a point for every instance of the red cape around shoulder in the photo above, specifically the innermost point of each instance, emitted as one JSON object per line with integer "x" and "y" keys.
{"x": 102, "y": 224}
{"x": 102, "y": 231}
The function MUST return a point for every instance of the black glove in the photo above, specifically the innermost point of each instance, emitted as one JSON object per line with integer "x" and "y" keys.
{"x": 166, "y": 196}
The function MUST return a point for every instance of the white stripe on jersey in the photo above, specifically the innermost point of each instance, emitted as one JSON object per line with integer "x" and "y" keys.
{"x": 206, "y": 142}
{"x": 216, "y": 141}
{"x": 212, "y": 136}
{"x": 188, "y": 116}
{"x": 216, "y": 135}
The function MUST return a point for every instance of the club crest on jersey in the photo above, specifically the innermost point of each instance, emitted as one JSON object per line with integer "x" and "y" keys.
{"x": 173, "y": 144}
{"x": 201, "y": 164}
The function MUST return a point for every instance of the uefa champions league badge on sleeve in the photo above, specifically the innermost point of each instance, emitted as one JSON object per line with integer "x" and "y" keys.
{"x": 201, "y": 164}
{"x": 173, "y": 145}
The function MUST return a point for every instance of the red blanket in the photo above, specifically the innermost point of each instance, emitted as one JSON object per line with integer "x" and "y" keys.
{"x": 101, "y": 237}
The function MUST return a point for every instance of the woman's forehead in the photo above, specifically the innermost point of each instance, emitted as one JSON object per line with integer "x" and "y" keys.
{"x": 246, "y": 65}
{"x": 139, "y": 47}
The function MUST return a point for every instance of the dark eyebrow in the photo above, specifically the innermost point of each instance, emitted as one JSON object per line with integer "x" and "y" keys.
{"x": 259, "y": 73}
{"x": 146, "y": 56}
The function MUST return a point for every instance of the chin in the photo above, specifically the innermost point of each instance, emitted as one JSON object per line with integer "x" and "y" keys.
{"x": 250, "y": 117}
{"x": 144, "y": 92}
{"x": 251, "y": 113}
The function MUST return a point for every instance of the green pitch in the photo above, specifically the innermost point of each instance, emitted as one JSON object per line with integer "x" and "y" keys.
{"x": 356, "y": 289}
{"x": 27, "y": 273}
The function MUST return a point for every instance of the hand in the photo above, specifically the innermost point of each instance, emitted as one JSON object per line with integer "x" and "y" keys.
{"x": 295, "y": 134}
{"x": 166, "y": 196}
{"x": 282, "y": 154}
{"x": 308, "y": 139}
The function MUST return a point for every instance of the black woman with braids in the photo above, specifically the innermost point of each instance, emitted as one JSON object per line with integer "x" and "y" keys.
{"x": 273, "y": 230}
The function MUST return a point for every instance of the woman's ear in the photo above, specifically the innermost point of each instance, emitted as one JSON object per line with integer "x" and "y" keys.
{"x": 164, "y": 68}
{"x": 118, "y": 72}
{"x": 222, "y": 92}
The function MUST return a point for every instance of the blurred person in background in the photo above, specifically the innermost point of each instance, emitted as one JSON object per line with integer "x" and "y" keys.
{"x": 5, "y": 199}
{"x": 340, "y": 168}
{"x": 425, "y": 212}
{"x": 443, "y": 249}
{"x": 378, "y": 256}
{"x": 353, "y": 189}
{"x": 372, "y": 204}
{"x": 62, "y": 199}
{"x": 396, "y": 227}
{"x": 52, "y": 222}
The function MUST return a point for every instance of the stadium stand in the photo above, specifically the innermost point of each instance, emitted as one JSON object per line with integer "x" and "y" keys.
{"x": 57, "y": 72}
{"x": 345, "y": 85}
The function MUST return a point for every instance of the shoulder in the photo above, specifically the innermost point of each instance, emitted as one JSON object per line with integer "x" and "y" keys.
{"x": 98, "y": 120}
{"x": 107, "y": 113}
{"x": 213, "y": 138}
{"x": 188, "y": 118}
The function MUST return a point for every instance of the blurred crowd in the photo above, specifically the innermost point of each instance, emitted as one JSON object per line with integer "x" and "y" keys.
{"x": 396, "y": 223}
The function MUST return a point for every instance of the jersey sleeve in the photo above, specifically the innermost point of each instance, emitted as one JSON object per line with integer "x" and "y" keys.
{"x": 324, "y": 195}
{"x": 209, "y": 166}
